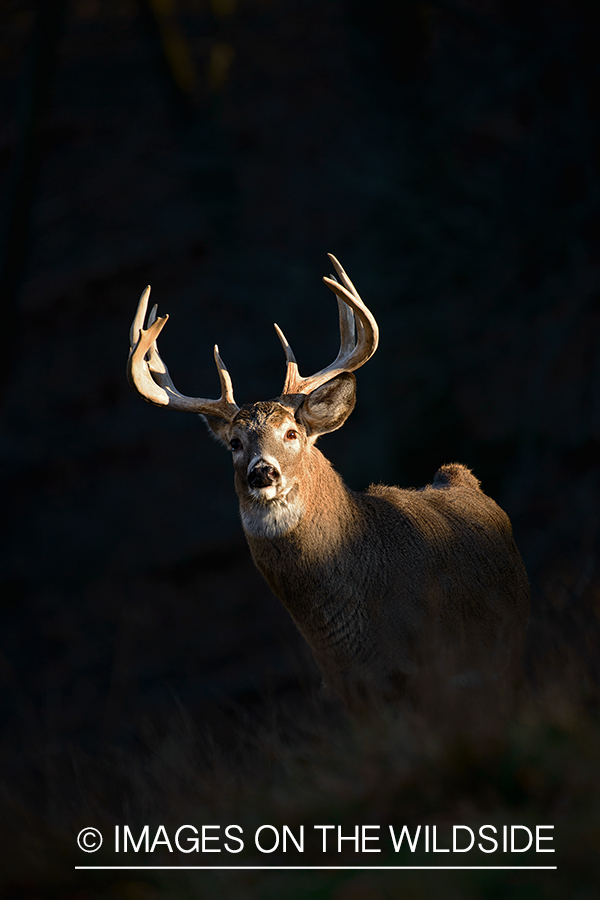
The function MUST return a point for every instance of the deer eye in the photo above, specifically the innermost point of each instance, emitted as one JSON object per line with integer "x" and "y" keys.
{"x": 291, "y": 435}
{"x": 235, "y": 444}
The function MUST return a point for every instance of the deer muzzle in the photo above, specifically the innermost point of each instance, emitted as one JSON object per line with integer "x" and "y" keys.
{"x": 263, "y": 474}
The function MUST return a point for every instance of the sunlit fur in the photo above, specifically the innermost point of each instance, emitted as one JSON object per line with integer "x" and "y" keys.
{"x": 385, "y": 585}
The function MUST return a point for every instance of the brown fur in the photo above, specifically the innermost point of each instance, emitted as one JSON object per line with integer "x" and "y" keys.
{"x": 384, "y": 583}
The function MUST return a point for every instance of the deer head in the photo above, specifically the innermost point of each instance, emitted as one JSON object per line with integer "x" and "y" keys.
{"x": 270, "y": 440}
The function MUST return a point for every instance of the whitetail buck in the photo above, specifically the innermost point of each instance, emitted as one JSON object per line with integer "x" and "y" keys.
{"x": 383, "y": 585}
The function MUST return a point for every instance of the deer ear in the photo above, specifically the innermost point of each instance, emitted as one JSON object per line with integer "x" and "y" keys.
{"x": 328, "y": 407}
{"x": 219, "y": 428}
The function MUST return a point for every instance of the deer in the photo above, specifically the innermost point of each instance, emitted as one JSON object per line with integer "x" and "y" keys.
{"x": 382, "y": 584}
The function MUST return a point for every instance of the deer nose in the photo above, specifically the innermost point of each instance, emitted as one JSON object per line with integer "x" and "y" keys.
{"x": 262, "y": 474}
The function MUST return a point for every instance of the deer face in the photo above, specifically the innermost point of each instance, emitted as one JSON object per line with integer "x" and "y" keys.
{"x": 267, "y": 445}
{"x": 271, "y": 447}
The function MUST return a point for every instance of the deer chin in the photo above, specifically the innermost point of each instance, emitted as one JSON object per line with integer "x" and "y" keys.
{"x": 271, "y": 516}
{"x": 265, "y": 494}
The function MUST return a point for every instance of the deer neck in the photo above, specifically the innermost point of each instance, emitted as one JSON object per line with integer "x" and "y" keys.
{"x": 316, "y": 506}
{"x": 303, "y": 563}
{"x": 300, "y": 546}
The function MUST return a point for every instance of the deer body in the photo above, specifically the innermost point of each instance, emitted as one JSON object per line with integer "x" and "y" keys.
{"x": 371, "y": 578}
{"x": 381, "y": 584}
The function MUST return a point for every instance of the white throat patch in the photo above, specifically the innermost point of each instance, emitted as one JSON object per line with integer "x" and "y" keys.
{"x": 271, "y": 519}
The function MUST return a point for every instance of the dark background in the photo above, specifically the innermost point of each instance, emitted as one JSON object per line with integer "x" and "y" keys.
{"x": 447, "y": 153}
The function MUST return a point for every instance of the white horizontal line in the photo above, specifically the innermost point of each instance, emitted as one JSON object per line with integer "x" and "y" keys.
{"x": 317, "y": 868}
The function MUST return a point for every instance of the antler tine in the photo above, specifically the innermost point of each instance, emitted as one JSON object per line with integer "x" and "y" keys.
{"x": 148, "y": 374}
{"x": 359, "y": 336}
{"x": 153, "y": 314}
{"x": 155, "y": 363}
{"x": 362, "y": 337}
{"x": 153, "y": 357}
{"x": 292, "y": 375}
{"x": 342, "y": 274}
{"x": 140, "y": 315}
{"x": 289, "y": 353}
{"x": 225, "y": 379}
{"x": 347, "y": 327}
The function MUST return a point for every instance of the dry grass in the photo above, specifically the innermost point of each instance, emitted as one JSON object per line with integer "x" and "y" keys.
{"x": 306, "y": 763}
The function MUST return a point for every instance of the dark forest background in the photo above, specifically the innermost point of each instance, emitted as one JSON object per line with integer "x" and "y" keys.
{"x": 448, "y": 153}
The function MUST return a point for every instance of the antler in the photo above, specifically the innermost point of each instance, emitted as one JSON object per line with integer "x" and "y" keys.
{"x": 149, "y": 376}
{"x": 354, "y": 351}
